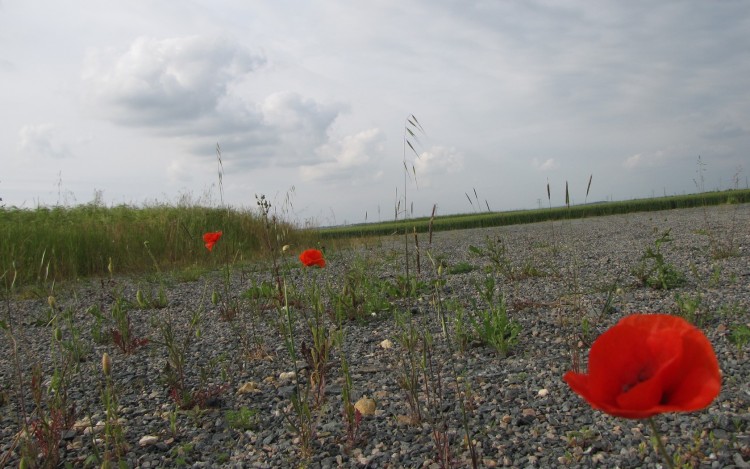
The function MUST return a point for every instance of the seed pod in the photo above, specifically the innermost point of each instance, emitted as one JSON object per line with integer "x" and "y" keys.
{"x": 106, "y": 364}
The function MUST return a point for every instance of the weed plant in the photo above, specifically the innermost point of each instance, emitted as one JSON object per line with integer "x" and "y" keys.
{"x": 740, "y": 336}
{"x": 654, "y": 271}
{"x": 490, "y": 323}
{"x": 242, "y": 419}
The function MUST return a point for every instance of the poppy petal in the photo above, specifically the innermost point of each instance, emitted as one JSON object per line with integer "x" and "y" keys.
{"x": 649, "y": 364}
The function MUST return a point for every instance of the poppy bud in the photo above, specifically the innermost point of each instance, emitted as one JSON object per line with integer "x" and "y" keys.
{"x": 106, "y": 364}
{"x": 215, "y": 297}
{"x": 52, "y": 302}
{"x": 58, "y": 334}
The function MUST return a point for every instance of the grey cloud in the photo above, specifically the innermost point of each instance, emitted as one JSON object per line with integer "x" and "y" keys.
{"x": 725, "y": 130}
{"x": 183, "y": 87}
{"x": 169, "y": 81}
{"x": 42, "y": 140}
{"x": 610, "y": 61}
{"x": 6, "y": 65}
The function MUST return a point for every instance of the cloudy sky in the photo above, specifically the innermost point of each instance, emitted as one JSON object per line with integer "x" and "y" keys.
{"x": 308, "y": 101}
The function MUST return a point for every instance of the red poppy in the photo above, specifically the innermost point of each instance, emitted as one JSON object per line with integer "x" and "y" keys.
{"x": 211, "y": 238}
{"x": 648, "y": 364}
{"x": 311, "y": 257}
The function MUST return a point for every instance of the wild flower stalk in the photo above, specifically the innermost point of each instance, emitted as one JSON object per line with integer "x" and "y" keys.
{"x": 115, "y": 445}
{"x": 317, "y": 354}
{"x": 160, "y": 301}
{"x": 302, "y": 423}
{"x": 272, "y": 239}
{"x": 178, "y": 349}
{"x": 9, "y": 278}
{"x": 352, "y": 415}
{"x": 228, "y": 306}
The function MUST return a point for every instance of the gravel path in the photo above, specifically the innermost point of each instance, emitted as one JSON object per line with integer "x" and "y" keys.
{"x": 555, "y": 278}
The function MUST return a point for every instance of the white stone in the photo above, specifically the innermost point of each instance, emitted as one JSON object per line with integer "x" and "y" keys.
{"x": 148, "y": 440}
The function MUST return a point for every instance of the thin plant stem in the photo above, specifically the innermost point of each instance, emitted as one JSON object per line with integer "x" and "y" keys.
{"x": 660, "y": 445}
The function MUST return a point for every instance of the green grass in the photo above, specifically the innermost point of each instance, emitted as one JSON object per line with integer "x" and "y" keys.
{"x": 516, "y": 217}
{"x": 63, "y": 243}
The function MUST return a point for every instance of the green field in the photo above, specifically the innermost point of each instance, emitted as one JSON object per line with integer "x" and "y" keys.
{"x": 516, "y": 217}
{"x": 63, "y": 243}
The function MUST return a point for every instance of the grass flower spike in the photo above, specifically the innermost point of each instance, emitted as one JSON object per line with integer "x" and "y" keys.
{"x": 648, "y": 364}
{"x": 211, "y": 238}
{"x": 311, "y": 257}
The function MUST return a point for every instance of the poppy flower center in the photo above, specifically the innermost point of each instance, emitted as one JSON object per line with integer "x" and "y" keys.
{"x": 644, "y": 374}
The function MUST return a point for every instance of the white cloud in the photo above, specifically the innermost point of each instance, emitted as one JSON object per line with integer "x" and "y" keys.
{"x": 353, "y": 158}
{"x": 177, "y": 172}
{"x": 548, "y": 164}
{"x": 639, "y": 160}
{"x": 43, "y": 141}
{"x": 435, "y": 162}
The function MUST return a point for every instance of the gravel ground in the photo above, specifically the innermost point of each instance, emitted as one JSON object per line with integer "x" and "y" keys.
{"x": 519, "y": 411}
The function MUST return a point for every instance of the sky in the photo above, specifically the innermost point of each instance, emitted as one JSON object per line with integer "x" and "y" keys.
{"x": 125, "y": 102}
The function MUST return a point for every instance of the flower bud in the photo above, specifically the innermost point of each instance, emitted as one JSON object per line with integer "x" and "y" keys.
{"x": 58, "y": 334}
{"x": 215, "y": 297}
{"x": 52, "y": 302}
{"x": 285, "y": 248}
{"x": 106, "y": 364}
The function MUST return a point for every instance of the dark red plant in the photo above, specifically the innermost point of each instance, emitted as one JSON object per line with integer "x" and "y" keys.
{"x": 311, "y": 257}
{"x": 649, "y": 364}
{"x": 211, "y": 238}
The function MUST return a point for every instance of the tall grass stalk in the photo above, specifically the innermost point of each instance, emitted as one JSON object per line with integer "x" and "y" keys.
{"x": 411, "y": 128}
